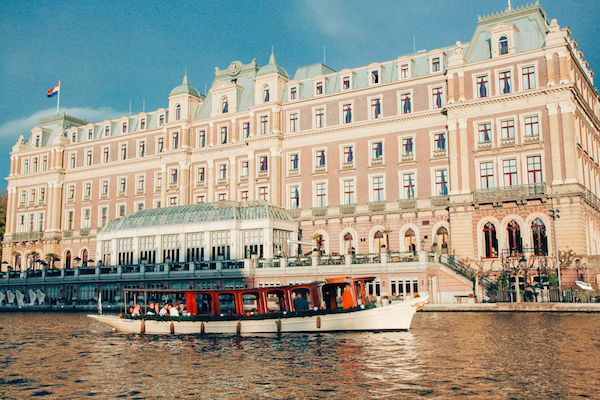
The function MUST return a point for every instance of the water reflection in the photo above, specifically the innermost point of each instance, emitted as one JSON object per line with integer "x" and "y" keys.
{"x": 482, "y": 355}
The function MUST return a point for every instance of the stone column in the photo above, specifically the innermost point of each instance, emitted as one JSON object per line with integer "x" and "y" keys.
{"x": 461, "y": 86}
{"x": 564, "y": 65}
{"x": 276, "y": 177}
{"x": 550, "y": 69}
{"x": 232, "y": 178}
{"x": 210, "y": 180}
{"x": 569, "y": 147}
{"x": 165, "y": 183}
{"x": 184, "y": 183}
{"x": 451, "y": 81}
{"x": 251, "y": 177}
{"x": 464, "y": 156}
{"x": 555, "y": 144}
{"x": 453, "y": 154}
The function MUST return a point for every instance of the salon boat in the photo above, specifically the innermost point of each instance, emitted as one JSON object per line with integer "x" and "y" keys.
{"x": 336, "y": 304}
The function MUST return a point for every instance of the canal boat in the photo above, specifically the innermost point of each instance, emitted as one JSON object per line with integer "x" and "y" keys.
{"x": 335, "y": 304}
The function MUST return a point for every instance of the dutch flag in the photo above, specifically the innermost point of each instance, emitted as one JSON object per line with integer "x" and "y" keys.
{"x": 54, "y": 90}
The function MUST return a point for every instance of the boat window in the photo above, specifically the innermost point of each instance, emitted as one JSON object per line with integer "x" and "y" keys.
{"x": 299, "y": 304}
{"x": 275, "y": 301}
{"x": 203, "y": 303}
{"x": 250, "y": 301}
{"x": 227, "y": 303}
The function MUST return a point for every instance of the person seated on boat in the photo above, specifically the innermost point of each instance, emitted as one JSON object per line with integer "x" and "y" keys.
{"x": 173, "y": 311}
{"x": 164, "y": 310}
{"x": 347, "y": 300}
{"x": 130, "y": 310}
{"x": 156, "y": 308}
{"x": 150, "y": 310}
{"x": 300, "y": 302}
{"x": 137, "y": 311}
{"x": 183, "y": 311}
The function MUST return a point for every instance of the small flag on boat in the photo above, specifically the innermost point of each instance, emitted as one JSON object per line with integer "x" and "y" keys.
{"x": 100, "y": 303}
{"x": 54, "y": 90}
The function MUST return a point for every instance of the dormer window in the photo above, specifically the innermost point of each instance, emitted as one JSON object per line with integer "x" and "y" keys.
{"x": 374, "y": 77}
{"x": 319, "y": 88}
{"x": 37, "y": 141}
{"x": 90, "y": 134}
{"x": 107, "y": 130}
{"x": 223, "y": 135}
{"x": 74, "y": 137}
{"x": 435, "y": 64}
{"x": 161, "y": 119}
{"x": 124, "y": 127}
{"x": 266, "y": 94}
{"x": 404, "y": 71}
{"x": 293, "y": 93}
{"x": 346, "y": 83}
{"x": 224, "y": 105}
{"x": 143, "y": 123}
{"x": 178, "y": 112}
{"x": 503, "y": 45}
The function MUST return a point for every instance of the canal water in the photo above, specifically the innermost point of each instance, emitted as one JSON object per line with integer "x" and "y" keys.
{"x": 445, "y": 356}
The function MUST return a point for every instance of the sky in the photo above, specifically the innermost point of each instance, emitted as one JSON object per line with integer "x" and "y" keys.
{"x": 108, "y": 54}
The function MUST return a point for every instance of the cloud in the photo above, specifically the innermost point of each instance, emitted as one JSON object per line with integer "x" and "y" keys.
{"x": 22, "y": 126}
{"x": 333, "y": 18}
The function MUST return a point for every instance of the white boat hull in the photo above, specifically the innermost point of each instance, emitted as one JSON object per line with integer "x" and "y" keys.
{"x": 396, "y": 316}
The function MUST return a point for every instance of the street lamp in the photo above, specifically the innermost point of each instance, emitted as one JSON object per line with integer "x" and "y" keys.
{"x": 554, "y": 214}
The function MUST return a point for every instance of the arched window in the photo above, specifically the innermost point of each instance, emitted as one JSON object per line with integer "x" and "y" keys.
{"x": 378, "y": 241}
{"x": 266, "y": 93}
{"x": 84, "y": 257}
{"x": 224, "y": 105}
{"x": 68, "y": 259}
{"x": 410, "y": 241}
{"x": 18, "y": 261}
{"x": 515, "y": 244}
{"x": 320, "y": 241}
{"x": 441, "y": 236}
{"x": 348, "y": 246}
{"x": 503, "y": 45}
{"x": 490, "y": 242}
{"x": 539, "y": 238}
{"x": 178, "y": 111}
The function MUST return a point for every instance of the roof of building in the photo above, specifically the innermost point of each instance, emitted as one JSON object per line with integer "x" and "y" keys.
{"x": 198, "y": 213}
{"x": 185, "y": 88}
{"x": 272, "y": 67}
{"x": 312, "y": 70}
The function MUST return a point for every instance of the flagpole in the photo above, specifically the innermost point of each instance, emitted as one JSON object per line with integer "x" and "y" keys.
{"x": 58, "y": 99}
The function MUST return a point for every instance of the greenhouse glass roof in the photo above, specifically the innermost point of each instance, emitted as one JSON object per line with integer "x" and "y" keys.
{"x": 198, "y": 213}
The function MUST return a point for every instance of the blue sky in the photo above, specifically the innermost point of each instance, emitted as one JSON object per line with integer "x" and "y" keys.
{"x": 107, "y": 53}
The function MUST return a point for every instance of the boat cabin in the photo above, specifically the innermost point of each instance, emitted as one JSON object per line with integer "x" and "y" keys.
{"x": 330, "y": 294}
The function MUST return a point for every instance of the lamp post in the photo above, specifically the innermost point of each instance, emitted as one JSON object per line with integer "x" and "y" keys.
{"x": 554, "y": 214}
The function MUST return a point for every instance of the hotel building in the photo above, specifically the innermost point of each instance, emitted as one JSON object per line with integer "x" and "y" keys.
{"x": 466, "y": 148}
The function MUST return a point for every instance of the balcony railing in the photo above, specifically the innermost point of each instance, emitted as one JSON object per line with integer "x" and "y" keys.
{"x": 319, "y": 211}
{"x": 532, "y": 139}
{"x": 439, "y": 201}
{"x": 509, "y": 193}
{"x": 26, "y": 236}
{"x": 407, "y": 203}
{"x": 347, "y": 209}
{"x": 377, "y": 206}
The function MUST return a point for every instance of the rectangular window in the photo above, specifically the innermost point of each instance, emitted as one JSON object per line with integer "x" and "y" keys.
{"x": 73, "y": 161}
{"x": 124, "y": 127}
{"x": 439, "y": 142}
{"x": 294, "y": 198}
{"x": 244, "y": 195}
{"x": 200, "y": 199}
{"x": 407, "y": 146}
{"x": 26, "y": 166}
{"x": 534, "y": 169}
{"x": 378, "y": 195}
{"x": 408, "y": 182}
{"x": 505, "y": 85}
{"x": 263, "y": 193}
{"x": 532, "y": 128}
{"x": 405, "y": 103}
{"x": 172, "y": 201}
{"x": 223, "y": 135}
{"x": 319, "y": 118}
{"x": 319, "y": 88}
{"x": 87, "y": 215}
{"x": 482, "y": 86}
{"x": 74, "y": 137}
{"x": 69, "y": 221}
{"x": 88, "y": 158}
{"x": 264, "y": 124}
{"x": 293, "y": 93}
{"x": 435, "y": 64}
{"x": 321, "y": 195}
{"x": 507, "y": 129}
{"x": 486, "y": 172}
{"x": 200, "y": 175}
{"x": 175, "y": 140}
{"x": 528, "y": 78}
{"x": 41, "y": 222}
{"x": 485, "y": 133}
{"x": 32, "y": 196}
{"x": 158, "y": 180}
{"x": 436, "y": 94}
{"x": 143, "y": 123}
{"x": 140, "y": 206}
{"x": 374, "y": 77}
{"x": 441, "y": 182}
{"x": 264, "y": 164}
{"x": 202, "y": 139}
{"x": 161, "y": 119}
{"x": 377, "y": 150}
{"x": 103, "y": 215}
{"x": 107, "y": 130}
{"x": 294, "y": 122}
{"x": 173, "y": 179}
{"x": 349, "y": 192}
{"x": 320, "y": 158}
{"x": 142, "y": 148}
{"x": 141, "y": 183}
{"x": 35, "y": 164}
{"x": 347, "y": 113}
{"x": 87, "y": 190}
{"x": 122, "y": 210}
{"x": 122, "y": 185}
{"x": 223, "y": 171}
{"x": 346, "y": 83}
{"x": 375, "y": 108}
{"x": 294, "y": 161}
{"x": 106, "y": 155}
{"x": 104, "y": 189}
{"x": 222, "y": 197}
{"x": 244, "y": 169}
{"x": 44, "y": 163}
{"x": 71, "y": 193}
{"x": 404, "y": 71}
{"x": 245, "y": 130}
{"x": 90, "y": 134}
{"x": 161, "y": 145}
{"x": 348, "y": 154}
{"x": 42, "y": 195}
{"x": 123, "y": 151}
{"x": 510, "y": 172}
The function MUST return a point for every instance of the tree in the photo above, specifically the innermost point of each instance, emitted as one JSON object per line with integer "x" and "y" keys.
{"x": 3, "y": 204}
{"x": 478, "y": 271}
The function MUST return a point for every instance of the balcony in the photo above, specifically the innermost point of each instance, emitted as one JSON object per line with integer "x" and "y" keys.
{"x": 348, "y": 209}
{"x": 509, "y": 193}
{"x": 294, "y": 213}
{"x": 440, "y": 153}
{"x": 532, "y": 139}
{"x": 484, "y": 145}
{"x": 84, "y": 231}
{"x": 377, "y": 206}
{"x": 222, "y": 181}
{"x": 26, "y": 236}
{"x": 439, "y": 201}
{"x": 407, "y": 204}
{"x": 319, "y": 211}
{"x": 293, "y": 172}
{"x": 67, "y": 233}
{"x": 262, "y": 174}
{"x": 375, "y": 162}
{"x": 320, "y": 168}
{"x": 244, "y": 179}
{"x": 408, "y": 156}
{"x": 507, "y": 142}
{"x": 348, "y": 165}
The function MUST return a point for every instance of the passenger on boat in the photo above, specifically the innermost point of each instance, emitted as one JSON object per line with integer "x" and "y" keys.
{"x": 130, "y": 309}
{"x": 137, "y": 311}
{"x": 150, "y": 310}
{"x": 156, "y": 308}
{"x": 165, "y": 310}
{"x": 173, "y": 311}
{"x": 182, "y": 311}
{"x": 300, "y": 302}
